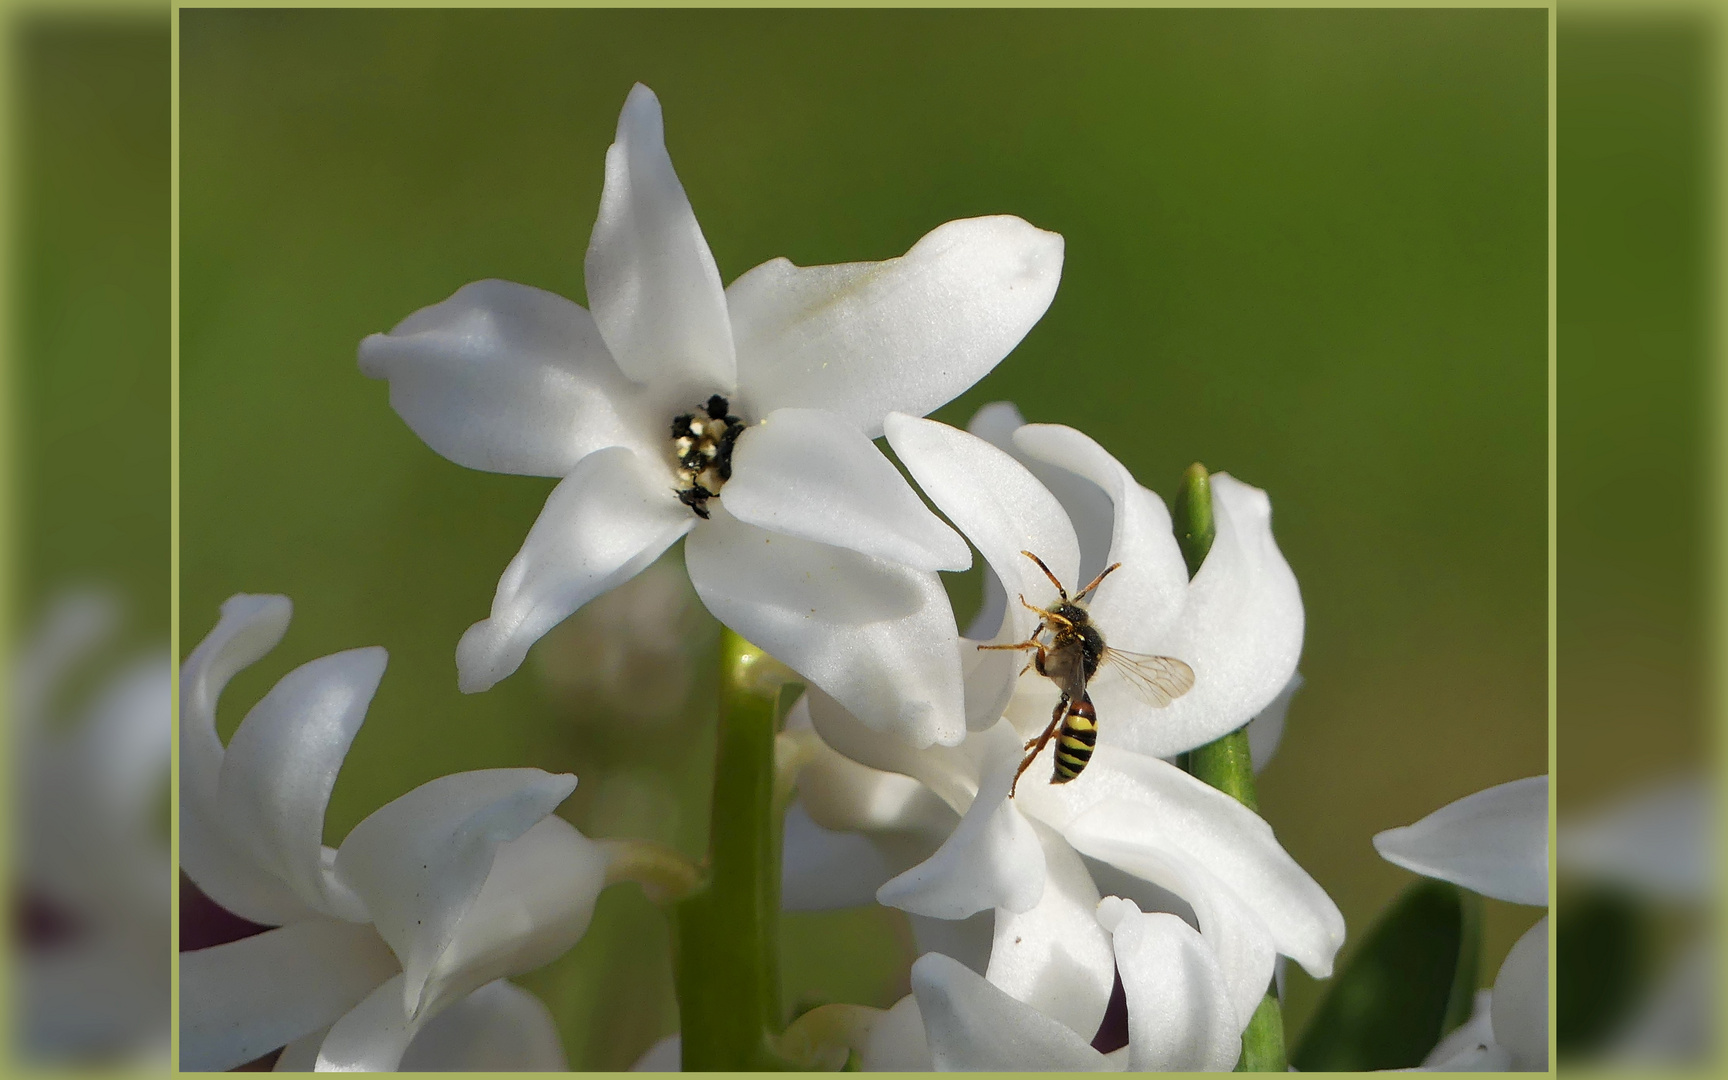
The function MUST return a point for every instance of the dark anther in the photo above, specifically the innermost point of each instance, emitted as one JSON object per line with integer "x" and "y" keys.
{"x": 724, "y": 458}
{"x": 717, "y": 407}
{"x": 694, "y": 461}
{"x": 681, "y": 425}
{"x": 696, "y": 498}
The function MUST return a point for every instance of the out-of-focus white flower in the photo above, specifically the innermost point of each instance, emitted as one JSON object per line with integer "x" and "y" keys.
{"x": 95, "y": 987}
{"x": 1657, "y": 843}
{"x": 1151, "y": 831}
{"x": 634, "y": 649}
{"x": 674, "y": 389}
{"x": 389, "y": 949}
{"x": 1494, "y": 842}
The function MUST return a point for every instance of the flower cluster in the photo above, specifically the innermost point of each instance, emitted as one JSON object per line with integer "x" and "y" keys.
{"x": 396, "y": 941}
{"x": 1015, "y": 795}
{"x": 1200, "y": 898}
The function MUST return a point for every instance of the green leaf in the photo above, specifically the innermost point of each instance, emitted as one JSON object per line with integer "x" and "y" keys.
{"x": 1411, "y": 980}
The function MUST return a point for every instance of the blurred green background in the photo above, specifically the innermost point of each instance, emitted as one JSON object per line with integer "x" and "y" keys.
{"x": 89, "y": 345}
{"x": 1307, "y": 248}
{"x": 1639, "y": 499}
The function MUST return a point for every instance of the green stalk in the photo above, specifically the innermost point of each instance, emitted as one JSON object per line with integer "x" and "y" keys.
{"x": 727, "y": 930}
{"x": 1225, "y": 762}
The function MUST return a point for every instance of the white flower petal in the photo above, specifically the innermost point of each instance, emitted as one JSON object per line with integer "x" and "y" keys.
{"x": 535, "y": 906}
{"x": 510, "y": 379}
{"x": 993, "y": 859}
{"x": 1657, "y": 841}
{"x": 824, "y": 870}
{"x": 896, "y": 1042}
{"x": 951, "y": 772}
{"x": 974, "y": 1027}
{"x": 667, "y": 1055}
{"x": 1520, "y": 1003}
{"x": 373, "y": 1035}
{"x": 498, "y": 1028}
{"x": 1494, "y": 842}
{"x": 249, "y": 628}
{"x": 1003, "y": 510}
{"x": 241, "y": 1000}
{"x": 1475, "y": 1059}
{"x": 809, "y": 474}
{"x": 876, "y": 636}
{"x": 1137, "y": 603}
{"x": 992, "y": 608}
{"x": 651, "y": 279}
{"x": 420, "y": 861}
{"x": 1266, "y": 730}
{"x": 1128, "y": 806}
{"x": 1237, "y": 938}
{"x": 906, "y": 335}
{"x": 123, "y": 746}
{"x": 1056, "y": 957}
{"x": 967, "y": 940}
{"x": 1240, "y": 630}
{"x": 997, "y": 503}
{"x": 226, "y": 874}
{"x": 1088, "y": 507}
{"x": 281, "y": 767}
{"x": 602, "y": 524}
{"x": 1180, "y": 1018}
{"x": 1462, "y": 1042}
{"x": 301, "y": 1055}
{"x": 840, "y": 794}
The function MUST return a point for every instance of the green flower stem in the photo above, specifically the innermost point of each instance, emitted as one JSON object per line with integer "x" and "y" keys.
{"x": 727, "y": 930}
{"x": 1225, "y": 762}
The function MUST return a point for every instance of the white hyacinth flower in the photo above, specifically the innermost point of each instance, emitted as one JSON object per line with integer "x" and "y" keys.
{"x": 94, "y": 988}
{"x": 1494, "y": 842}
{"x": 389, "y": 950}
{"x": 1150, "y": 829}
{"x": 741, "y": 416}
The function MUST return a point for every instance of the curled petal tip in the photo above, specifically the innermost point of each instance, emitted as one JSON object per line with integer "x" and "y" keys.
{"x": 477, "y": 667}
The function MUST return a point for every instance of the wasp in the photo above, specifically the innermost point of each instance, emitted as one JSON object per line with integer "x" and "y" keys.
{"x": 1070, "y": 655}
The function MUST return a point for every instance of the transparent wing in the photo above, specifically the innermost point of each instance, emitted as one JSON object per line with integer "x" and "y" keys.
{"x": 1158, "y": 680}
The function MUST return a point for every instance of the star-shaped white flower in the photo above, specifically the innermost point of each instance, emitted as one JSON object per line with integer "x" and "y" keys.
{"x": 740, "y": 416}
{"x": 1035, "y": 860}
{"x": 393, "y": 944}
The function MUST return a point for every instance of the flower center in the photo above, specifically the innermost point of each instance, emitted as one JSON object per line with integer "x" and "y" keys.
{"x": 702, "y": 445}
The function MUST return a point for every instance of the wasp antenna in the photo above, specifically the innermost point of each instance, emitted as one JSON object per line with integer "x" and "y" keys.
{"x": 1095, "y": 581}
{"x": 1059, "y": 589}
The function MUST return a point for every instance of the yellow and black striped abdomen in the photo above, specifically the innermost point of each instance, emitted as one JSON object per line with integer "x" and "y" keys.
{"x": 1074, "y": 744}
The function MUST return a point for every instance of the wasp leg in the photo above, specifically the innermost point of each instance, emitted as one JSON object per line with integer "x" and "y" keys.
{"x": 1036, "y": 746}
{"x": 1055, "y": 718}
{"x": 1016, "y": 645}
